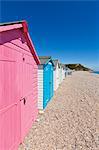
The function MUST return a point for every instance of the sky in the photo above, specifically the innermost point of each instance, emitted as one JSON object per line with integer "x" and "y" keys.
{"x": 67, "y": 30}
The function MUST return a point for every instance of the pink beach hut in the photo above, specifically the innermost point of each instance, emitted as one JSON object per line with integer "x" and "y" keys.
{"x": 18, "y": 84}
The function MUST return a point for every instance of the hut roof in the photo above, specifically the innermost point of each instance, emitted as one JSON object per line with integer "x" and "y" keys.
{"x": 45, "y": 59}
{"x": 56, "y": 62}
{"x": 11, "y": 23}
{"x": 21, "y": 24}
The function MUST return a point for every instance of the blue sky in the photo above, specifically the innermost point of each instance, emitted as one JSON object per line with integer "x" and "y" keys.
{"x": 67, "y": 30}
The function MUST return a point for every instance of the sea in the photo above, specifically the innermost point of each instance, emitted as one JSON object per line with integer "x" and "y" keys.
{"x": 97, "y": 72}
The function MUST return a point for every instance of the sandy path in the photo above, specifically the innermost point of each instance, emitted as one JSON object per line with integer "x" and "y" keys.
{"x": 71, "y": 120}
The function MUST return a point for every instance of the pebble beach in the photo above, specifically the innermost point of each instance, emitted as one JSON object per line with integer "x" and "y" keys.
{"x": 71, "y": 119}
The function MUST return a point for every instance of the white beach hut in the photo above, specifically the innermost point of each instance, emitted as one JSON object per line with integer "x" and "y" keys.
{"x": 68, "y": 71}
{"x": 63, "y": 71}
{"x": 56, "y": 74}
{"x": 60, "y": 73}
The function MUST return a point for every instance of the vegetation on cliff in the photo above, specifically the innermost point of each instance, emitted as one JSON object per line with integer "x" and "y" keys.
{"x": 77, "y": 67}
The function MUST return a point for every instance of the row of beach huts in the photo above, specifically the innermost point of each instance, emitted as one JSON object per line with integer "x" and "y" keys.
{"x": 27, "y": 83}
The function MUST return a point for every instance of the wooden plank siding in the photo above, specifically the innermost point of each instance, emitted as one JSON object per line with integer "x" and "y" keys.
{"x": 40, "y": 89}
{"x": 18, "y": 81}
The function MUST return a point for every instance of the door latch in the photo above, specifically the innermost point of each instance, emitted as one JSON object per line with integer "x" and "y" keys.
{"x": 24, "y": 100}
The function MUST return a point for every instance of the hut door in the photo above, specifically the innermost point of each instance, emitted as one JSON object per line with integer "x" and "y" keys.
{"x": 10, "y": 93}
{"x": 27, "y": 102}
{"x": 51, "y": 81}
{"x": 46, "y": 85}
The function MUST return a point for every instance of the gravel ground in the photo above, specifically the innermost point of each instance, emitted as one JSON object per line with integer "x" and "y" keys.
{"x": 71, "y": 120}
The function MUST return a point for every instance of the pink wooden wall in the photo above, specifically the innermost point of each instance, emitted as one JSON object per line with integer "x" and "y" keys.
{"x": 18, "y": 80}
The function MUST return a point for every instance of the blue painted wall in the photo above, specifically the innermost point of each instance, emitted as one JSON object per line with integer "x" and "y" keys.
{"x": 48, "y": 83}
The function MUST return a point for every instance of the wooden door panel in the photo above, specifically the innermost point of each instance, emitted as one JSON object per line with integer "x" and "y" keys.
{"x": 10, "y": 94}
{"x": 29, "y": 107}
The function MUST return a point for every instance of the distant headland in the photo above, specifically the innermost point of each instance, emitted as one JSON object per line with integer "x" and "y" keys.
{"x": 78, "y": 67}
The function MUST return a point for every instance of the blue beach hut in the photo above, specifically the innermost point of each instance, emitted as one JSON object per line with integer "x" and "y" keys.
{"x": 45, "y": 81}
